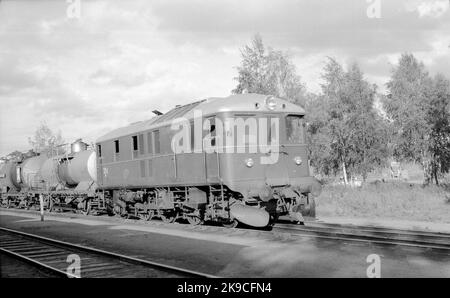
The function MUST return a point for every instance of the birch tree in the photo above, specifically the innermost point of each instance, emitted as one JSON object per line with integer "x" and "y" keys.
{"x": 45, "y": 139}
{"x": 344, "y": 125}
{"x": 264, "y": 70}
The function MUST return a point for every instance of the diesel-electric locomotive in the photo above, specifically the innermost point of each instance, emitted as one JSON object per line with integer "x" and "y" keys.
{"x": 242, "y": 158}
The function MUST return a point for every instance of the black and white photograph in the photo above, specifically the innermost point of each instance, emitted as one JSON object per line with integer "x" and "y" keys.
{"x": 217, "y": 147}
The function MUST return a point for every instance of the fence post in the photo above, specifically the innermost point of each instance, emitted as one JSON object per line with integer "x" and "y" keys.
{"x": 41, "y": 203}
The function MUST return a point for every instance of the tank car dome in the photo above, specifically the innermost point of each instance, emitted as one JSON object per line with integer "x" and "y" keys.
{"x": 78, "y": 146}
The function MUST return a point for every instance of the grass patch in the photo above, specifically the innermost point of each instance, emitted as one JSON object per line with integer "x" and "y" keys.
{"x": 386, "y": 200}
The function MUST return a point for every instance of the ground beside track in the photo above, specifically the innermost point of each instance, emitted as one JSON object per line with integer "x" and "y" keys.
{"x": 228, "y": 253}
{"x": 387, "y": 201}
{"x": 388, "y": 223}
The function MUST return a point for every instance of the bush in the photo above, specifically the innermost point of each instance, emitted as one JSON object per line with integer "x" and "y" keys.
{"x": 386, "y": 200}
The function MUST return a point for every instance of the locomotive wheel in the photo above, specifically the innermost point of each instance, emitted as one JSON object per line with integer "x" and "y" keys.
{"x": 147, "y": 216}
{"x": 120, "y": 212}
{"x": 273, "y": 219}
{"x": 117, "y": 211}
{"x": 167, "y": 217}
{"x": 194, "y": 220}
{"x": 230, "y": 224}
{"x": 87, "y": 208}
{"x": 29, "y": 205}
{"x": 50, "y": 205}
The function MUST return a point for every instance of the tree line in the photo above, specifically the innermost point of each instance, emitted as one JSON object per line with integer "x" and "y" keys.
{"x": 346, "y": 131}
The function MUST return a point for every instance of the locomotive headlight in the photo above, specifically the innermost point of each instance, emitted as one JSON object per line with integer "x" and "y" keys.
{"x": 298, "y": 160}
{"x": 271, "y": 104}
{"x": 249, "y": 162}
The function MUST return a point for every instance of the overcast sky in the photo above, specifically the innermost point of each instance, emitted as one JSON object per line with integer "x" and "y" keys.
{"x": 121, "y": 59}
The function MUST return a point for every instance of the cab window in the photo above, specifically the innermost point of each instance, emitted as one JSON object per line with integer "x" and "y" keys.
{"x": 295, "y": 129}
{"x": 212, "y": 130}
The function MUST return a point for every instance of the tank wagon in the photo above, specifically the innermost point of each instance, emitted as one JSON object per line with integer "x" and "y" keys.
{"x": 8, "y": 177}
{"x": 242, "y": 158}
{"x": 19, "y": 172}
{"x": 64, "y": 181}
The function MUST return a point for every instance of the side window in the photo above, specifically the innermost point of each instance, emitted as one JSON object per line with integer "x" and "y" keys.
{"x": 157, "y": 141}
{"x": 135, "y": 143}
{"x": 212, "y": 130}
{"x": 135, "y": 146}
{"x": 99, "y": 150}
{"x": 295, "y": 129}
{"x": 272, "y": 128}
{"x": 150, "y": 143}
{"x": 117, "y": 150}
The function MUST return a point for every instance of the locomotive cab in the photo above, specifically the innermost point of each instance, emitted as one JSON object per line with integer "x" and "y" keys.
{"x": 263, "y": 156}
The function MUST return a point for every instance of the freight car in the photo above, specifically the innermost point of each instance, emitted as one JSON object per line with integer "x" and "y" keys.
{"x": 66, "y": 181}
{"x": 237, "y": 159}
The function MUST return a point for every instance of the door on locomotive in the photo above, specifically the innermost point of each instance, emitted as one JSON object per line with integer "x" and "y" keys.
{"x": 212, "y": 157}
{"x": 295, "y": 146}
{"x": 275, "y": 170}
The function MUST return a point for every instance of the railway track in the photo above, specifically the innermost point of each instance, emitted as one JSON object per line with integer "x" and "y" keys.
{"x": 364, "y": 234}
{"x": 56, "y": 256}
{"x": 375, "y": 235}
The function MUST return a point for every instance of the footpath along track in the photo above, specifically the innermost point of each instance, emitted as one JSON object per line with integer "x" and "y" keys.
{"x": 376, "y": 235}
{"x": 57, "y": 256}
